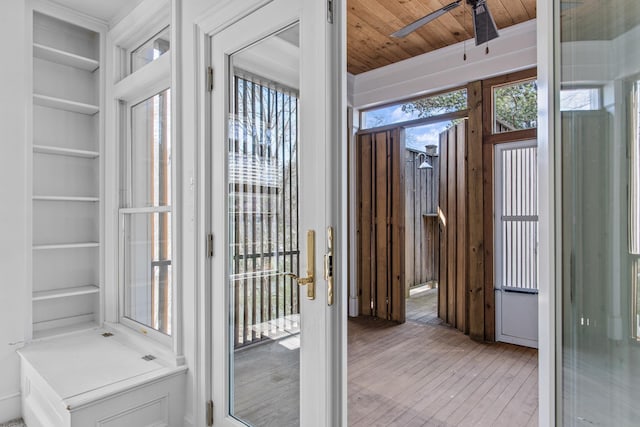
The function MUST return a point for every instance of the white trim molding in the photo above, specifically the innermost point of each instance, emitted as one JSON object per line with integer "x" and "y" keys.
{"x": 514, "y": 50}
{"x": 549, "y": 231}
{"x": 10, "y": 407}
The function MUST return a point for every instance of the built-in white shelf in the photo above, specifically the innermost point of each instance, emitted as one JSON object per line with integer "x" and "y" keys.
{"x": 65, "y": 326}
{"x": 65, "y": 104}
{"x": 66, "y": 292}
{"x": 70, "y": 152}
{"x": 66, "y": 199}
{"x": 66, "y": 246}
{"x": 65, "y": 58}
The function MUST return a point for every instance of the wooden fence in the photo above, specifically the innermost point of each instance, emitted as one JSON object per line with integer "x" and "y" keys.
{"x": 422, "y": 235}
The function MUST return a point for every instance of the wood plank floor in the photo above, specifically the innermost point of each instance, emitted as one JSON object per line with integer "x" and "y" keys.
{"x": 423, "y": 373}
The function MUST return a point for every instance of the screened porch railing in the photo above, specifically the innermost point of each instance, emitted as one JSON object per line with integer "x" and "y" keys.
{"x": 263, "y": 216}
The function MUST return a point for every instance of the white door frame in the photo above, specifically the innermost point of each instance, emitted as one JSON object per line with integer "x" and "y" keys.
{"x": 322, "y": 75}
{"x": 549, "y": 201}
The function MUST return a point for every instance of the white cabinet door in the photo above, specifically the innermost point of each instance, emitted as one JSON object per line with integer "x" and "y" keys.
{"x": 275, "y": 103}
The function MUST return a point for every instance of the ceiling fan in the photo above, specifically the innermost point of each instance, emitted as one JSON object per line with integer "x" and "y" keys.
{"x": 483, "y": 24}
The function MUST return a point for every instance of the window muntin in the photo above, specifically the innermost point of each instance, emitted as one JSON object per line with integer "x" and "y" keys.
{"x": 429, "y": 106}
{"x": 150, "y": 50}
{"x": 146, "y": 238}
{"x": 515, "y": 106}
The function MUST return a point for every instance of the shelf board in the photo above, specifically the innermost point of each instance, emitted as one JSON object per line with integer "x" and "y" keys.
{"x": 70, "y": 152}
{"x": 64, "y": 326}
{"x": 66, "y": 199}
{"x": 65, "y": 58}
{"x": 65, "y": 104}
{"x": 66, "y": 292}
{"x": 66, "y": 246}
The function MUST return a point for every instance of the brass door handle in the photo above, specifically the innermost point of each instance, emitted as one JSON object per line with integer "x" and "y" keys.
{"x": 311, "y": 256}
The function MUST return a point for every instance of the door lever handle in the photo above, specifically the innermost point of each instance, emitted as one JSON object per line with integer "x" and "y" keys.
{"x": 311, "y": 266}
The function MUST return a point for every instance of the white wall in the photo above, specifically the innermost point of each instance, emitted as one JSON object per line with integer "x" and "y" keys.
{"x": 13, "y": 201}
{"x": 514, "y": 50}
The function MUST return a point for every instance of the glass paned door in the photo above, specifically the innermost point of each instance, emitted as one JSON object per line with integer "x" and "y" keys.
{"x": 272, "y": 360}
{"x": 263, "y": 239}
{"x": 599, "y": 363}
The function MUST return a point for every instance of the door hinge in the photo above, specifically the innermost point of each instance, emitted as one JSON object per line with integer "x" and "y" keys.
{"x": 210, "y": 79}
{"x": 210, "y": 245}
{"x": 210, "y": 413}
{"x": 330, "y": 11}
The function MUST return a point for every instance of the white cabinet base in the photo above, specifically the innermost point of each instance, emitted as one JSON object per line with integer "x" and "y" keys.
{"x": 85, "y": 379}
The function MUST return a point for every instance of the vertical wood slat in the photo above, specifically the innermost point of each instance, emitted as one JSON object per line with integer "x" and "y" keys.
{"x": 461, "y": 304}
{"x": 475, "y": 211}
{"x": 451, "y": 226}
{"x": 381, "y": 221}
{"x": 487, "y": 332}
{"x": 443, "y": 212}
{"x": 398, "y": 219}
{"x": 410, "y": 192}
{"x": 365, "y": 223}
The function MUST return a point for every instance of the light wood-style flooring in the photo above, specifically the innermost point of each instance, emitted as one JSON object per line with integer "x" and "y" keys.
{"x": 424, "y": 373}
{"x": 421, "y": 373}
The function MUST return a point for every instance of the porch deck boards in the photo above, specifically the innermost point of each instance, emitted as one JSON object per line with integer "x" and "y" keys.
{"x": 423, "y": 373}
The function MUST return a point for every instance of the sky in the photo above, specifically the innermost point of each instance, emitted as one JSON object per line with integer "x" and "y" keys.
{"x": 416, "y": 137}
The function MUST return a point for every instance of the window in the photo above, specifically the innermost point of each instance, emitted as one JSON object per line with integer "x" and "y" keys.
{"x": 583, "y": 99}
{"x": 146, "y": 214}
{"x": 150, "y": 50}
{"x": 140, "y": 232}
{"x": 434, "y": 105}
{"x": 515, "y": 106}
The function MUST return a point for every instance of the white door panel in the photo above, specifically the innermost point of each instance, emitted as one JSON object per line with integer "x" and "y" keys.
{"x": 276, "y": 353}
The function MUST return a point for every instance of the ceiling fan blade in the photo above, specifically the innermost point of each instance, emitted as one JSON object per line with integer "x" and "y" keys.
{"x": 403, "y": 32}
{"x": 483, "y": 24}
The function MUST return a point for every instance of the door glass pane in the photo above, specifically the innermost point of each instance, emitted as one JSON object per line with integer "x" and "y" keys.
{"x": 599, "y": 379}
{"x": 264, "y": 324}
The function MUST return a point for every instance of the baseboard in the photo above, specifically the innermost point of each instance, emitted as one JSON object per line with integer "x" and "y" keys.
{"x": 10, "y": 407}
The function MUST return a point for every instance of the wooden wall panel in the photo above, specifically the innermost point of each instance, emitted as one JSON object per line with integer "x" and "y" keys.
{"x": 364, "y": 224}
{"x": 381, "y": 221}
{"x": 397, "y": 166}
{"x": 460, "y": 218}
{"x": 443, "y": 212}
{"x": 462, "y": 229}
{"x": 381, "y": 225}
{"x": 476, "y": 217}
{"x": 452, "y": 225}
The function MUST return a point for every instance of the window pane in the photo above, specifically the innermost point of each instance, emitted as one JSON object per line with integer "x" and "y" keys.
{"x": 598, "y": 373}
{"x": 515, "y": 106}
{"x": 417, "y": 138}
{"x": 420, "y": 108}
{"x": 147, "y": 269}
{"x": 150, "y": 173}
{"x": 151, "y": 50}
{"x": 579, "y": 99}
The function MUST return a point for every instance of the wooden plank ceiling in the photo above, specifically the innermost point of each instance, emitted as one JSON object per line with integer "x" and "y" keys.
{"x": 369, "y": 23}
